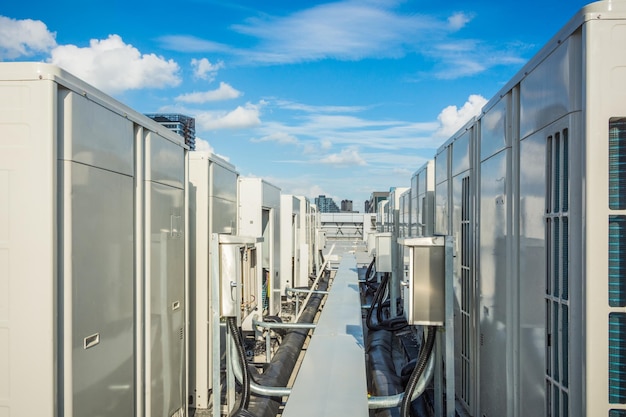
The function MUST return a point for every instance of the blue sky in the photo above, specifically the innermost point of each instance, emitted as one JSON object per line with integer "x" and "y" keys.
{"x": 338, "y": 98}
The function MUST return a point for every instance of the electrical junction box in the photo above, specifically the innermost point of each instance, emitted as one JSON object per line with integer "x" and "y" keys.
{"x": 383, "y": 252}
{"x": 239, "y": 284}
{"x": 424, "y": 291}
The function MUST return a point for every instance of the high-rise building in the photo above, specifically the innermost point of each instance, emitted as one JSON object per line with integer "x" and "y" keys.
{"x": 178, "y": 123}
{"x": 326, "y": 205}
{"x": 346, "y": 205}
{"x": 377, "y": 196}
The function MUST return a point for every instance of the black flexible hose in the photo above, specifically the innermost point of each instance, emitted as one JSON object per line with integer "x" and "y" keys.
{"x": 417, "y": 372}
{"x": 394, "y": 323}
{"x": 368, "y": 272}
{"x": 245, "y": 383}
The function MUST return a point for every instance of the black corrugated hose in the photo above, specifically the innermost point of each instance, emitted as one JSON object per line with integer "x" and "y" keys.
{"x": 394, "y": 323}
{"x": 241, "y": 410}
{"x": 417, "y": 372}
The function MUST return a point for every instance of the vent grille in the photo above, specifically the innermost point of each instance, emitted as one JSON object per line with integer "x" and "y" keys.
{"x": 617, "y": 261}
{"x": 617, "y": 163}
{"x": 467, "y": 294}
{"x": 557, "y": 274}
{"x": 617, "y": 358}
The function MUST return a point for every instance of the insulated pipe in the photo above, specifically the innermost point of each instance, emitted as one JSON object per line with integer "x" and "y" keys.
{"x": 390, "y": 401}
{"x": 254, "y": 387}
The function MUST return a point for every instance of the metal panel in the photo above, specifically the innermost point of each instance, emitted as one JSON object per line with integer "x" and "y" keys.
{"x": 94, "y": 135}
{"x": 223, "y": 199}
{"x": 532, "y": 272}
{"x": 165, "y": 294}
{"x": 28, "y": 267}
{"x": 441, "y": 166}
{"x": 494, "y": 287}
{"x": 164, "y": 161}
{"x": 213, "y": 209}
{"x": 290, "y": 215}
{"x": 552, "y": 89}
{"x": 102, "y": 326}
{"x": 441, "y": 209}
{"x": 461, "y": 153}
{"x": 383, "y": 252}
{"x": 493, "y": 128}
{"x": 425, "y": 302}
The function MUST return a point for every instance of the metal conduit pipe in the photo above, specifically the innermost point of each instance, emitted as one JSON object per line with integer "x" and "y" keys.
{"x": 275, "y": 325}
{"x": 284, "y": 360}
{"x": 389, "y": 401}
{"x": 302, "y": 290}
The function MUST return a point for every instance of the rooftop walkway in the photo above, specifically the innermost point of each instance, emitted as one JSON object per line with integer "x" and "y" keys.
{"x": 332, "y": 377}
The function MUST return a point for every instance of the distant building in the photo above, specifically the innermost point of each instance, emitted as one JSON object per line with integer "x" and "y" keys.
{"x": 326, "y": 205}
{"x": 178, "y": 123}
{"x": 346, "y": 205}
{"x": 377, "y": 196}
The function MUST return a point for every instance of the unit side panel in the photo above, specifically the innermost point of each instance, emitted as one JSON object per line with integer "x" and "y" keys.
{"x": 493, "y": 127}
{"x": 166, "y": 305}
{"x": 165, "y": 161}
{"x": 493, "y": 282}
{"x": 223, "y": 182}
{"x": 95, "y": 135}
{"x": 100, "y": 237}
{"x": 287, "y": 249}
{"x": 223, "y": 215}
{"x": 441, "y": 209}
{"x": 532, "y": 259}
{"x": 553, "y": 88}
{"x": 461, "y": 153}
{"x": 605, "y": 214}
{"x": 28, "y": 266}
{"x": 199, "y": 238}
{"x": 414, "y": 219}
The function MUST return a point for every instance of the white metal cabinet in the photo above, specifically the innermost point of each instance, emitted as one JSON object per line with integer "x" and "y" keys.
{"x": 71, "y": 247}
{"x": 98, "y": 296}
{"x": 212, "y": 209}
{"x": 165, "y": 276}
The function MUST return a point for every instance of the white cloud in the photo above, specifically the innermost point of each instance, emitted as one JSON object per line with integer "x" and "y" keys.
{"x": 451, "y": 119}
{"x": 114, "y": 66}
{"x": 346, "y": 30}
{"x": 240, "y": 118}
{"x": 204, "y": 146}
{"x": 204, "y": 69}
{"x": 278, "y": 137}
{"x": 290, "y": 105}
{"x": 347, "y": 157}
{"x": 224, "y": 92}
{"x": 24, "y": 38}
{"x": 458, "y": 20}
